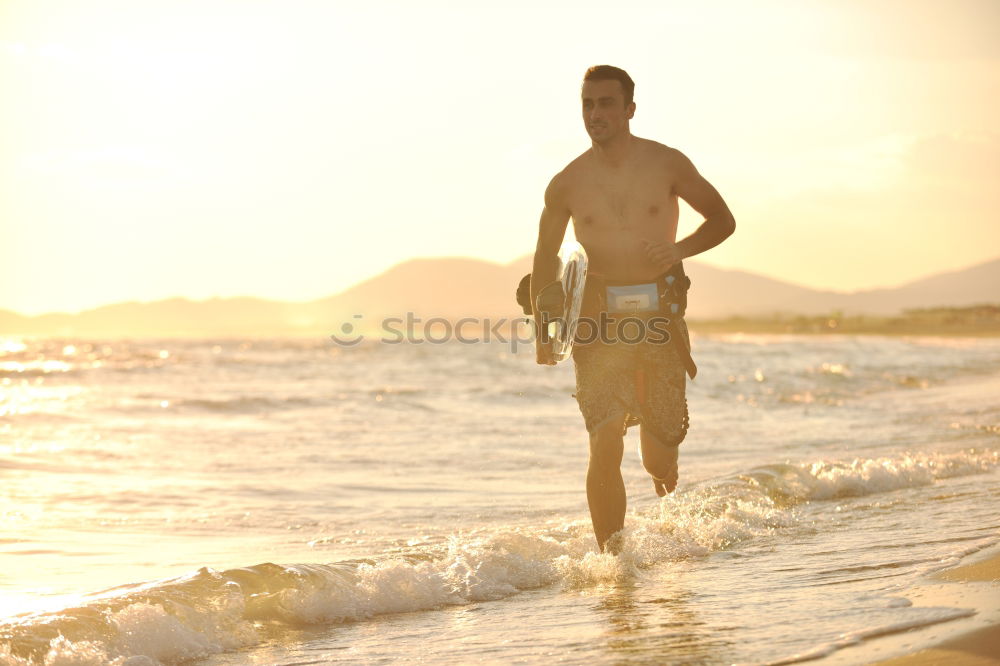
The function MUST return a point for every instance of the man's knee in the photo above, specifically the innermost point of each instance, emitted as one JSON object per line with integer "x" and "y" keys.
{"x": 607, "y": 443}
{"x": 659, "y": 465}
{"x": 659, "y": 450}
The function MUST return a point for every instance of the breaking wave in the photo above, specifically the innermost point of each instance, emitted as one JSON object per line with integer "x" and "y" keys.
{"x": 209, "y": 611}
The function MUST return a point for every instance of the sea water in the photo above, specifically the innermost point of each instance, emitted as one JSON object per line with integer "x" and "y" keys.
{"x": 291, "y": 501}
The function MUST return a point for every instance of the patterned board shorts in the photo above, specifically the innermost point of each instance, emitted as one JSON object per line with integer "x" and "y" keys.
{"x": 632, "y": 384}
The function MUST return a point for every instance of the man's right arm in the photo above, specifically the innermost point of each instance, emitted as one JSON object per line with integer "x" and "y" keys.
{"x": 551, "y": 230}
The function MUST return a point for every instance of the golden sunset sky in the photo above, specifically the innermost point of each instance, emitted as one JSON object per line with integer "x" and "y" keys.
{"x": 289, "y": 149}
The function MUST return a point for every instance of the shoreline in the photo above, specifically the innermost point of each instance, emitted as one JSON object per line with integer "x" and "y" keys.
{"x": 707, "y": 328}
{"x": 978, "y": 321}
{"x": 973, "y": 321}
{"x": 712, "y": 328}
{"x": 969, "y": 641}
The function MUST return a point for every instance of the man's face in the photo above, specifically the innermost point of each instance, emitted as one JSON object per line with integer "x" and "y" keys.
{"x": 604, "y": 112}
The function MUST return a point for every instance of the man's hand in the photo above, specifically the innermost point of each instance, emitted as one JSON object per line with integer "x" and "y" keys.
{"x": 662, "y": 253}
{"x": 543, "y": 353}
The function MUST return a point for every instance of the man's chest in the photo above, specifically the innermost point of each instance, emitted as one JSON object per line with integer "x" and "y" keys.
{"x": 637, "y": 199}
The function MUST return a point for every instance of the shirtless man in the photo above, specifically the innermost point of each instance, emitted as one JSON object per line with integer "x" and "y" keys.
{"x": 622, "y": 196}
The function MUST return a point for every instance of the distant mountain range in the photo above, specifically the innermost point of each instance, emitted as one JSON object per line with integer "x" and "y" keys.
{"x": 453, "y": 287}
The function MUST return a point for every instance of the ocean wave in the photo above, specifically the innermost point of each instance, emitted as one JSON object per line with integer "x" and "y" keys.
{"x": 826, "y": 480}
{"x": 37, "y": 368}
{"x": 168, "y": 621}
{"x": 22, "y": 416}
{"x": 209, "y": 611}
{"x": 251, "y": 404}
{"x": 247, "y": 404}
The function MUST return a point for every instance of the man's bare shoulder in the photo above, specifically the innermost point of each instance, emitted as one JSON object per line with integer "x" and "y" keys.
{"x": 557, "y": 192}
{"x": 662, "y": 152}
{"x": 576, "y": 166}
{"x": 563, "y": 182}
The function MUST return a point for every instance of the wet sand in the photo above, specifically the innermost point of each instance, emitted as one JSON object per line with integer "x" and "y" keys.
{"x": 977, "y": 647}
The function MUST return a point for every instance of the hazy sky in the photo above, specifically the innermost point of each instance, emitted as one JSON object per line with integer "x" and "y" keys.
{"x": 288, "y": 149}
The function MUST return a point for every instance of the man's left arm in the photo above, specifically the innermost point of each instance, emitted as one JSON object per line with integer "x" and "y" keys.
{"x": 719, "y": 223}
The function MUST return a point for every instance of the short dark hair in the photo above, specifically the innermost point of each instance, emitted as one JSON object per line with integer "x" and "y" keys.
{"x": 609, "y": 73}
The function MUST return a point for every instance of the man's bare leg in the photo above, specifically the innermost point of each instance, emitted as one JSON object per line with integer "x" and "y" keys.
{"x": 605, "y": 487}
{"x": 660, "y": 461}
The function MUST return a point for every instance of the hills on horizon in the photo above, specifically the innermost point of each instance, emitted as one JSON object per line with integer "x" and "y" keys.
{"x": 454, "y": 287}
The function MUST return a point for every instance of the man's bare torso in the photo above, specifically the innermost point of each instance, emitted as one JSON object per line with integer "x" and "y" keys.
{"x": 615, "y": 207}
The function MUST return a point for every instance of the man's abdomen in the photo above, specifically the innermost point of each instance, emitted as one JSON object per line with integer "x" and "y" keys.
{"x": 621, "y": 255}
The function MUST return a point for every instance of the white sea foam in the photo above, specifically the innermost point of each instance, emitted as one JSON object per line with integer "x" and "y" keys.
{"x": 208, "y": 612}
{"x": 824, "y": 480}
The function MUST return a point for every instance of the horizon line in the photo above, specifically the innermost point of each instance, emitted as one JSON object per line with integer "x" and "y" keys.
{"x": 485, "y": 261}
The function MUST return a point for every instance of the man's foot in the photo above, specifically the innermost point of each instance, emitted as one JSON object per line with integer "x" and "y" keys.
{"x": 668, "y": 482}
{"x": 614, "y": 544}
